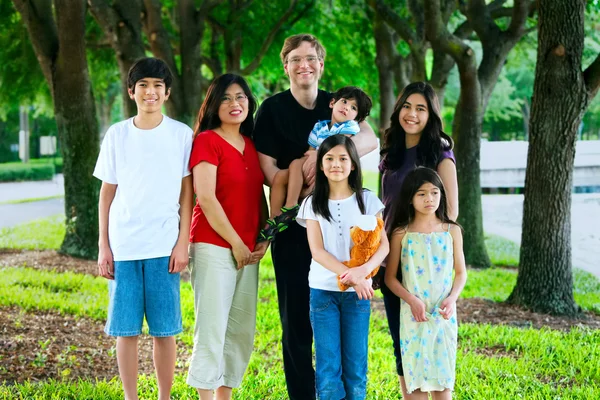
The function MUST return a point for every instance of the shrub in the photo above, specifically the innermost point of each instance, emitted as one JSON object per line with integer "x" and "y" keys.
{"x": 12, "y": 172}
{"x": 57, "y": 161}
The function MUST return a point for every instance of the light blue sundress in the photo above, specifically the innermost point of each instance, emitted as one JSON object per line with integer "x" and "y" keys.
{"x": 428, "y": 348}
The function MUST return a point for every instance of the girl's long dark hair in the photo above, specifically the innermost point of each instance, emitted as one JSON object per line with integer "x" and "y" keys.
{"x": 208, "y": 116}
{"x": 320, "y": 201}
{"x": 403, "y": 211}
{"x": 433, "y": 140}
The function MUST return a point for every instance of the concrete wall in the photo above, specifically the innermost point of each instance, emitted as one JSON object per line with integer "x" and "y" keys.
{"x": 503, "y": 163}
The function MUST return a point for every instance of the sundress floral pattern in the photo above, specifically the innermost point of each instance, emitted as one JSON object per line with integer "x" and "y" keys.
{"x": 428, "y": 348}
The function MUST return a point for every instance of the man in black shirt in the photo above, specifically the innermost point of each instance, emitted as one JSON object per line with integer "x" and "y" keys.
{"x": 283, "y": 123}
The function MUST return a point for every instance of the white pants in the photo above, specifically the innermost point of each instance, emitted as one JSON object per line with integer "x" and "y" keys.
{"x": 225, "y": 305}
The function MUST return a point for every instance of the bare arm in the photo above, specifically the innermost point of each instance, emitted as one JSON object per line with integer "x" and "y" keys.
{"x": 447, "y": 171}
{"x": 180, "y": 256}
{"x": 460, "y": 274}
{"x": 365, "y": 140}
{"x": 205, "y": 182}
{"x": 317, "y": 249}
{"x": 261, "y": 248}
{"x": 392, "y": 265}
{"x": 417, "y": 306}
{"x": 269, "y": 167}
{"x": 105, "y": 256}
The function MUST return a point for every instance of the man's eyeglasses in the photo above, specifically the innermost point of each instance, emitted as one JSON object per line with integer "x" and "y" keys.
{"x": 298, "y": 60}
{"x": 239, "y": 98}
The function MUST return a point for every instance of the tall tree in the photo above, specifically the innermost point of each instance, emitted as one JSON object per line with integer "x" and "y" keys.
{"x": 476, "y": 85}
{"x": 562, "y": 93}
{"x": 175, "y": 32}
{"x": 120, "y": 20}
{"x": 57, "y": 35}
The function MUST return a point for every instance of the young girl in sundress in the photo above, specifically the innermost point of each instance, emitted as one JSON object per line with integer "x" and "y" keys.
{"x": 427, "y": 245}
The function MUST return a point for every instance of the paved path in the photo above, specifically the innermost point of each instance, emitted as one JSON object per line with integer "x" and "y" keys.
{"x": 503, "y": 215}
{"x": 30, "y": 190}
{"x": 15, "y": 214}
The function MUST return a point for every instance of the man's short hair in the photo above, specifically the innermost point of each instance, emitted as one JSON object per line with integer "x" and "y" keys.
{"x": 293, "y": 42}
{"x": 149, "y": 68}
{"x": 363, "y": 101}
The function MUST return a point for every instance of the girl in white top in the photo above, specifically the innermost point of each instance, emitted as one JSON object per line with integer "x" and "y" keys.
{"x": 340, "y": 320}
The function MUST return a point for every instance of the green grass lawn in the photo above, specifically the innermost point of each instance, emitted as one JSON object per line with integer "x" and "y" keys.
{"x": 494, "y": 362}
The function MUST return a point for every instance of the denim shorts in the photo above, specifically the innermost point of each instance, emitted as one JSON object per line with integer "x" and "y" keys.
{"x": 144, "y": 288}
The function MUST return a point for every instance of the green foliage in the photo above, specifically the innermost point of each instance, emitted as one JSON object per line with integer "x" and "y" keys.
{"x": 76, "y": 294}
{"x": 41, "y": 234}
{"x": 497, "y": 284}
{"x": 56, "y": 161}
{"x": 507, "y": 363}
{"x": 21, "y": 79}
{"x": 12, "y": 172}
{"x": 502, "y": 252}
{"x": 31, "y": 200}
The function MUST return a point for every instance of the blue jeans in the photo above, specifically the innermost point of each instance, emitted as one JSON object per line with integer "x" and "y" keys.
{"x": 340, "y": 324}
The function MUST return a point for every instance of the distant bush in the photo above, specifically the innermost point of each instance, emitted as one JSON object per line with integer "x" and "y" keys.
{"x": 57, "y": 161}
{"x": 12, "y": 172}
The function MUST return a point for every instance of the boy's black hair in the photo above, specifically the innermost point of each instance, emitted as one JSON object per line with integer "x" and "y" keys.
{"x": 149, "y": 68}
{"x": 320, "y": 201}
{"x": 363, "y": 101}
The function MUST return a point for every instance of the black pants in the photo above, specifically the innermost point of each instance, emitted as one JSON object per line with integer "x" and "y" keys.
{"x": 291, "y": 260}
{"x": 392, "y": 310}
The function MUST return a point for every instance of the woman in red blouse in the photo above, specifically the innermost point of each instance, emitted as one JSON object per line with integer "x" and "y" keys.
{"x": 228, "y": 214}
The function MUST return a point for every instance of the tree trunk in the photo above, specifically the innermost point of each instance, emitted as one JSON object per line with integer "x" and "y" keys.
{"x": 545, "y": 281}
{"x": 385, "y": 47}
{"x": 466, "y": 132}
{"x": 60, "y": 49}
{"x": 122, "y": 25}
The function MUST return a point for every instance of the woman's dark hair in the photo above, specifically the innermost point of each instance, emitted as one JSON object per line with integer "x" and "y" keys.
{"x": 208, "y": 116}
{"x": 403, "y": 211}
{"x": 433, "y": 140}
{"x": 363, "y": 101}
{"x": 320, "y": 201}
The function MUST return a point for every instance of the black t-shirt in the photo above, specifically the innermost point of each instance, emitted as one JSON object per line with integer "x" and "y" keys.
{"x": 283, "y": 125}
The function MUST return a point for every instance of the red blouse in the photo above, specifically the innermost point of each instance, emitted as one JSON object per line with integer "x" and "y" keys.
{"x": 239, "y": 188}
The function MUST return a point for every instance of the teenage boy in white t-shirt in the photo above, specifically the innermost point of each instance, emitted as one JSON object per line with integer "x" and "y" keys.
{"x": 144, "y": 216}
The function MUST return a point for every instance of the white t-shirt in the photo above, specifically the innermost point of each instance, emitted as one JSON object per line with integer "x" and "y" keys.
{"x": 147, "y": 166}
{"x": 336, "y": 234}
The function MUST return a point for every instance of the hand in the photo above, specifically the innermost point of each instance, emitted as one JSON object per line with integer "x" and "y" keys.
{"x": 309, "y": 167}
{"x": 417, "y": 307}
{"x": 242, "y": 254}
{"x": 106, "y": 267}
{"x": 447, "y": 307}
{"x": 353, "y": 276}
{"x": 259, "y": 251}
{"x": 364, "y": 290}
{"x": 179, "y": 258}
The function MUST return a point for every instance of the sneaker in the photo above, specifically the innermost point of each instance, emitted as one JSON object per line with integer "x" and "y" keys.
{"x": 287, "y": 216}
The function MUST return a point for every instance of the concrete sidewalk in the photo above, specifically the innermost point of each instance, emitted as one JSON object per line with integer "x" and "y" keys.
{"x": 503, "y": 216}
{"x": 29, "y": 190}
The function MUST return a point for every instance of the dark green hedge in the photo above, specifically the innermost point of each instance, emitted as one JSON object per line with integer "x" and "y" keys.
{"x": 57, "y": 161}
{"x": 12, "y": 172}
